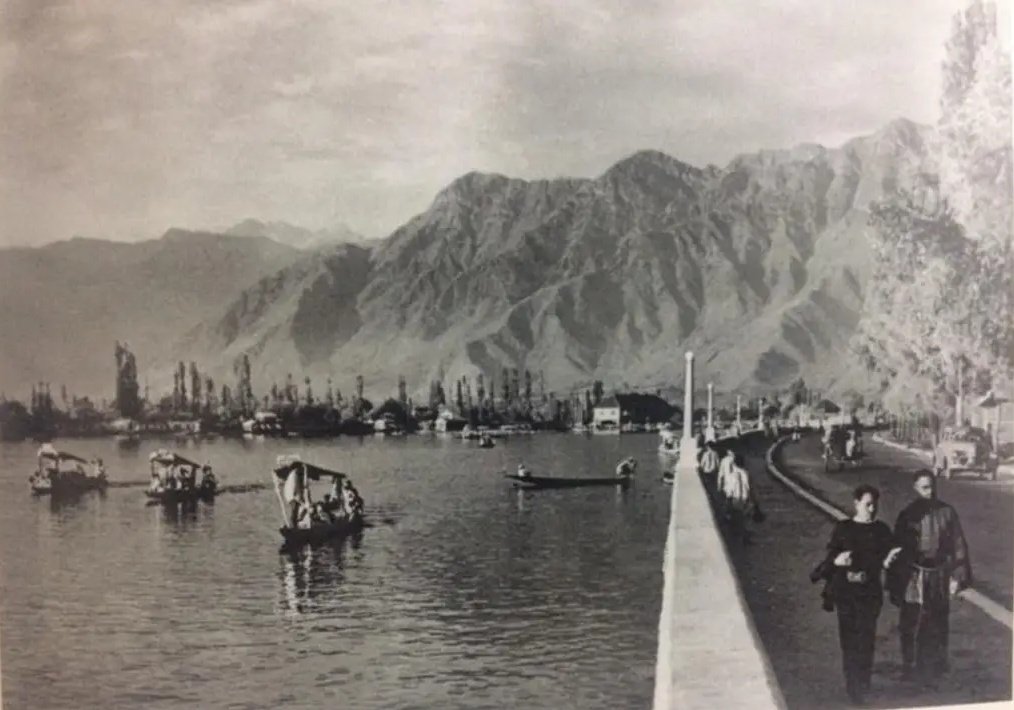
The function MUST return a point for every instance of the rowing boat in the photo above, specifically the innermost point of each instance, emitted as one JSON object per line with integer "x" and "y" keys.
{"x": 319, "y": 532}
{"x": 172, "y": 496}
{"x": 51, "y": 478}
{"x": 555, "y": 482}
{"x": 66, "y": 484}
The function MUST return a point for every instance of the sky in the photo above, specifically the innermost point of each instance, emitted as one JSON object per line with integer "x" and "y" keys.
{"x": 120, "y": 119}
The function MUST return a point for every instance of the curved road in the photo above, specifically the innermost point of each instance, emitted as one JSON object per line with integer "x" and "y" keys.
{"x": 802, "y": 640}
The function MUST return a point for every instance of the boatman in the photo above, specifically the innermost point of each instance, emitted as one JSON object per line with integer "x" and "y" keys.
{"x": 523, "y": 472}
{"x": 351, "y": 498}
{"x": 626, "y": 467}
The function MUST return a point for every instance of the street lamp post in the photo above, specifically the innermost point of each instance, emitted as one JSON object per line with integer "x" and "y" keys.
{"x": 688, "y": 447}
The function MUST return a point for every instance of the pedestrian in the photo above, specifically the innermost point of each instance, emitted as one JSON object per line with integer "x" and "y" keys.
{"x": 934, "y": 565}
{"x": 739, "y": 498}
{"x": 709, "y": 460}
{"x": 859, "y": 549}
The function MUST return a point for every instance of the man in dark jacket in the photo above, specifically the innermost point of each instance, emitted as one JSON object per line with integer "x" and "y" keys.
{"x": 933, "y": 566}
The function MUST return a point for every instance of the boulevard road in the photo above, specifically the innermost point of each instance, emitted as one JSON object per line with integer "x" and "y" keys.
{"x": 802, "y": 640}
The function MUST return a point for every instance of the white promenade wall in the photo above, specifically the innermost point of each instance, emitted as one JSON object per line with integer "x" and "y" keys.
{"x": 709, "y": 654}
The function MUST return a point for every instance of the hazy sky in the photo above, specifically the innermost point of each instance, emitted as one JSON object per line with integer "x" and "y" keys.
{"x": 120, "y": 118}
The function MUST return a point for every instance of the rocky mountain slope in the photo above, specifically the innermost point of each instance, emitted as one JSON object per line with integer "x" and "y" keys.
{"x": 760, "y": 267}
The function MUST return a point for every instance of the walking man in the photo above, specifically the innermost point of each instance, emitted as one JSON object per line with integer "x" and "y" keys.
{"x": 860, "y": 548}
{"x": 933, "y": 566}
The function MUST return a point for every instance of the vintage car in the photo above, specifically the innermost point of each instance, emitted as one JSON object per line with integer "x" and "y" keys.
{"x": 965, "y": 449}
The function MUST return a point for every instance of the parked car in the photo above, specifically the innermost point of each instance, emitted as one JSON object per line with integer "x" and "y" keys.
{"x": 965, "y": 449}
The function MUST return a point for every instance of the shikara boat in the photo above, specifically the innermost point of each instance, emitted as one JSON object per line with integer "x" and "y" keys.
{"x": 174, "y": 479}
{"x": 320, "y": 532}
{"x": 51, "y": 476}
{"x": 340, "y": 513}
{"x": 557, "y": 482}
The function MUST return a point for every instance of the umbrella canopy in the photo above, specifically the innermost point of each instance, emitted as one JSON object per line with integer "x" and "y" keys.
{"x": 168, "y": 458}
{"x": 287, "y": 464}
{"x": 46, "y": 451}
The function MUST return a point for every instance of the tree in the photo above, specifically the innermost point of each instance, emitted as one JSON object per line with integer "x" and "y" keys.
{"x": 597, "y": 391}
{"x": 181, "y": 373}
{"x": 309, "y": 391}
{"x": 942, "y": 291}
{"x": 195, "y": 389}
{"x": 209, "y": 395}
{"x": 528, "y": 388}
{"x": 402, "y": 390}
{"x": 127, "y": 401}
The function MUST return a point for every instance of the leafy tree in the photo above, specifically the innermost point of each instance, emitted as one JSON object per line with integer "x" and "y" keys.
{"x": 938, "y": 309}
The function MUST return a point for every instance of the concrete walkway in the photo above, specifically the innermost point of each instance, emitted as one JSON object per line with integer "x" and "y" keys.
{"x": 709, "y": 653}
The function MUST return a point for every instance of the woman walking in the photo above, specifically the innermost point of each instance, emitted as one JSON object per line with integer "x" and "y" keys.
{"x": 859, "y": 550}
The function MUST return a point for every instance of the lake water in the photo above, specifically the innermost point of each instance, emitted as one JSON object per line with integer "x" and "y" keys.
{"x": 465, "y": 593}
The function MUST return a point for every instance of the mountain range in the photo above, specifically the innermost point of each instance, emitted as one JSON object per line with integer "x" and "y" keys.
{"x": 759, "y": 267}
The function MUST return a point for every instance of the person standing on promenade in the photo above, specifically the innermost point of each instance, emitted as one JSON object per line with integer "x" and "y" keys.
{"x": 859, "y": 549}
{"x": 934, "y": 565}
{"x": 738, "y": 499}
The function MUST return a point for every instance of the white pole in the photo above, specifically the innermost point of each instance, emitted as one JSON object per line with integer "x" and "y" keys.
{"x": 711, "y": 393}
{"x": 739, "y": 421}
{"x": 687, "y": 463}
{"x": 688, "y": 398}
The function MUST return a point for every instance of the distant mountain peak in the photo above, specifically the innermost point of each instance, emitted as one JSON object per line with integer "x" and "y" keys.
{"x": 651, "y": 159}
{"x": 293, "y": 235}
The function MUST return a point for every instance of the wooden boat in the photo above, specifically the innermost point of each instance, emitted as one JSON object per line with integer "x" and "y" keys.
{"x": 172, "y": 496}
{"x": 486, "y": 442}
{"x": 321, "y": 532}
{"x": 174, "y": 479}
{"x": 557, "y": 482}
{"x": 294, "y": 476}
{"x": 50, "y": 479}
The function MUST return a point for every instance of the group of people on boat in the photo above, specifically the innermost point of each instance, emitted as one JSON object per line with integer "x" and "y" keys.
{"x": 170, "y": 472}
{"x": 342, "y": 503}
{"x": 49, "y": 471}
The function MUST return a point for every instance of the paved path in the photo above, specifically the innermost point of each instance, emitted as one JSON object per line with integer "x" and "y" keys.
{"x": 801, "y": 639}
{"x": 986, "y": 507}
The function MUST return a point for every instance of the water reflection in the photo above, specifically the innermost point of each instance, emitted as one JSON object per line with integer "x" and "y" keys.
{"x": 311, "y": 576}
{"x": 184, "y": 512}
{"x": 72, "y": 500}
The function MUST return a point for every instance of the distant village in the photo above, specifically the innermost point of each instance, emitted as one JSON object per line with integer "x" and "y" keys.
{"x": 199, "y": 406}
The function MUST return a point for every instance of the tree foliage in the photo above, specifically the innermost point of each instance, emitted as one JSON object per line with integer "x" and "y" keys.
{"x": 941, "y": 299}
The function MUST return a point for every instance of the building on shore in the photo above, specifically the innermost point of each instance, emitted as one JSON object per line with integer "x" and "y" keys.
{"x": 631, "y": 409}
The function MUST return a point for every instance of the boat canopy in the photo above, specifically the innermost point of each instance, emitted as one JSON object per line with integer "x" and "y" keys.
{"x": 286, "y": 464}
{"x": 169, "y": 458}
{"x": 46, "y": 451}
